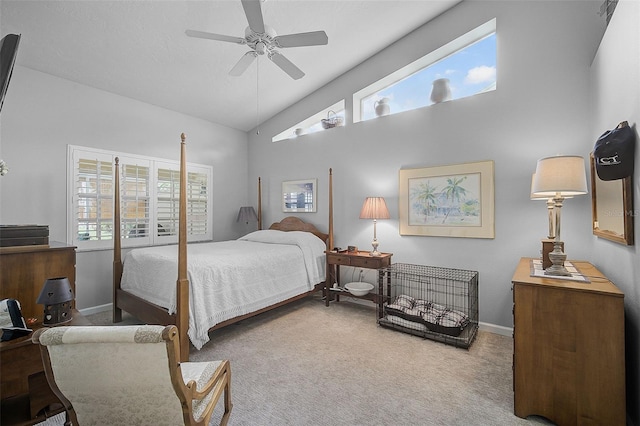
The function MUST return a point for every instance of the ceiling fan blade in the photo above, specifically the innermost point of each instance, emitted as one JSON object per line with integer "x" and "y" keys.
{"x": 243, "y": 64}
{"x": 213, "y": 36}
{"x": 313, "y": 38}
{"x": 254, "y": 15}
{"x": 286, "y": 65}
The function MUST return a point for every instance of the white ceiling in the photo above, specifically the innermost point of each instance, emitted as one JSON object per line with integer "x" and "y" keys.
{"x": 138, "y": 49}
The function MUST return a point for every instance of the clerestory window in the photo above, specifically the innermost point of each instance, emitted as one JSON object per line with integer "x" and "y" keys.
{"x": 463, "y": 67}
{"x": 329, "y": 118}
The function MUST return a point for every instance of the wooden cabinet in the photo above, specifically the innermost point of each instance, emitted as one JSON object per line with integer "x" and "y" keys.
{"x": 22, "y": 275}
{"x": 26, "y": 395}
{"x": 25, "y": 269}
{"x": 359, "y": 259}
{"x": 569, "y": 357}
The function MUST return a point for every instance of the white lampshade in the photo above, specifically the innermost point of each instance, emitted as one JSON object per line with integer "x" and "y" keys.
{"x": 538, "y": 197}
{"x": 534, "y": 196}
{"x": 562, "y": 175}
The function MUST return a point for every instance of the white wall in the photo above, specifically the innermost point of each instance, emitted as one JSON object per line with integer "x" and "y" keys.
{"x": 42, "y": 114}
{"x": 540, "y": 108}
{"x": 615, "y": 97}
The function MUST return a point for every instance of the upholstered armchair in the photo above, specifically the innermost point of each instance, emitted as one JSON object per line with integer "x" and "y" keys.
{"x": 127, "y": 375}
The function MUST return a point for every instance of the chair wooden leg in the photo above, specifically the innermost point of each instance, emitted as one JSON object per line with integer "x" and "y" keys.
{"x": 228, "y": 405}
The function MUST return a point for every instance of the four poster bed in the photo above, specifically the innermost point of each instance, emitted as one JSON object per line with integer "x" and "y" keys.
{"x": 225, "y": 282}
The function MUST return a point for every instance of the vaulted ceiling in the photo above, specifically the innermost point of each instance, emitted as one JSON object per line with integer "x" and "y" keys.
{"x": 139, "y": 49}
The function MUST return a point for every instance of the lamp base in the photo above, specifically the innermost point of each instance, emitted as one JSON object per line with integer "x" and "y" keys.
{"x": 557, "y": 259}
{"x": 58, "y": 313}
{"x": 375, "y": 251}
{"x": 547, "y": 247}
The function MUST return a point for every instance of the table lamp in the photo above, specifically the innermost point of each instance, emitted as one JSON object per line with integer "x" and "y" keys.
{"x": 559, "y": 177}
{"x": 374, "y": 208}
{"x": 547, "y": 244}
{"x": 56, "y": 296}
{"x": 247, "y": 214}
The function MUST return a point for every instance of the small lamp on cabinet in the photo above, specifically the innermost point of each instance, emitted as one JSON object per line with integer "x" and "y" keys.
{"x": 56, "y": 296}
{"x": 374, "y": 208}
{"x": 558, "y": 178}
{"x": 547, "y": 244}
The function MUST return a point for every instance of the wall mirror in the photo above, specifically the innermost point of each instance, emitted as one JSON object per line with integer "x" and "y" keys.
{"x": 612, "y": 207}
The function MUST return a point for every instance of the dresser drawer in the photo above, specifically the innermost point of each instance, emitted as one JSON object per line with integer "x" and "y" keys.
{"x": 370, "y": 262}
{"x": 339, "y": 259}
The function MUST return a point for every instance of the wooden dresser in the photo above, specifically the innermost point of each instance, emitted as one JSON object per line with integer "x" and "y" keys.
{"x": 569, "y": 357}
{"x": 23, "y": 271}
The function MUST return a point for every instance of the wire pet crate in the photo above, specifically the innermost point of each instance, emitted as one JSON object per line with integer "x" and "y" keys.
{"x": 432, "y": 302}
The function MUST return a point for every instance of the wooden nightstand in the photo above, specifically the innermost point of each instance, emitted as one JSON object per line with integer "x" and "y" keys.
{"x": 358, "y": 259}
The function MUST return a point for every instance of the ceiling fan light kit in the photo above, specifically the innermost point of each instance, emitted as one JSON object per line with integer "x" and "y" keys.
{"x": 263, "y": 40}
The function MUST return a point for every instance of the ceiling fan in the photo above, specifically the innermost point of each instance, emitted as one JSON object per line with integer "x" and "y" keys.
{"x": 263, "y": 40}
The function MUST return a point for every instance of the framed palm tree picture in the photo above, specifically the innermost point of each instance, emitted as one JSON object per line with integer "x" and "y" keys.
{"x": 448, "y": 201}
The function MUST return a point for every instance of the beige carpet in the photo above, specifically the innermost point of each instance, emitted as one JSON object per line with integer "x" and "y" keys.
{"x": 306, "y": 364}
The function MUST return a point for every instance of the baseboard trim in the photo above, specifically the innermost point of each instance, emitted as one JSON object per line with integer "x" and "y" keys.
{"x": 496, "y": 329}
{"x": 96, "y": 309}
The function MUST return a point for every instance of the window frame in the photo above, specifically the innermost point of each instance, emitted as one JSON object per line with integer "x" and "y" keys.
{"x": 337, "y": 108}
{"x": 420, "y": 64}
{"x": 75, "y": 153}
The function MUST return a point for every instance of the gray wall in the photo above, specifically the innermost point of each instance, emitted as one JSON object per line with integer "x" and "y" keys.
{"x": 615, "y": 96}
{"x": 540, "y": 108}
{"x": 550, "y": 100}
{"x": 42, "y": 114}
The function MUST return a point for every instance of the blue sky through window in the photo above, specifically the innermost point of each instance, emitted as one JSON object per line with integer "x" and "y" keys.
{"x": 470, "y": 70}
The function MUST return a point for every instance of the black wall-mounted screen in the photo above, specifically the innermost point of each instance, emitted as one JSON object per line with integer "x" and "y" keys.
{"x": 8, "y": 53}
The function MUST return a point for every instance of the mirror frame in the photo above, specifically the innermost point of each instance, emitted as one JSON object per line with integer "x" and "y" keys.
{"x": 627, "y": 200}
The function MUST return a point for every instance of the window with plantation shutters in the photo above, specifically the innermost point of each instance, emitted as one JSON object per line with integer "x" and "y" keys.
{"x": 93, "y": 197}
{"x": 149, "y": 199}
{"x": 167, "y": 208}
{"x": 168, "y": 193}
{"x": 135, "y": 200}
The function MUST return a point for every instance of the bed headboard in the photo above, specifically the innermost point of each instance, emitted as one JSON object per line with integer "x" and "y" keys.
{"x": 292, "y": 223}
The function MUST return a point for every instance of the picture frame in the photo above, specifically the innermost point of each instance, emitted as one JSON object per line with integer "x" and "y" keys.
{"x": 448, "y": 201}
{"x": 300, "y": 196}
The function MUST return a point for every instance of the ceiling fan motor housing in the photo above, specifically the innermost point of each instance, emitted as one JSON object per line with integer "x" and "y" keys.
{"x": 261, "y": 42}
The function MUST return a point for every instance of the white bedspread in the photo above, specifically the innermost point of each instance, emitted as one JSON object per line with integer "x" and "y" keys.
{"x": 228, "y": 278}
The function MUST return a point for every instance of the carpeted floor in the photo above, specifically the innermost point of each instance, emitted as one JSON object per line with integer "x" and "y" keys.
{"x": 306, "y": 364}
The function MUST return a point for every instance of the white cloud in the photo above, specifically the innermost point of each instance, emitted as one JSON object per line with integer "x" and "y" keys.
{"x": 480, "y": 74}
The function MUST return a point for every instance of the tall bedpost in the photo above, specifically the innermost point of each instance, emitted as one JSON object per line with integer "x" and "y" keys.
{"x": 182, "y": 285}
{"x": 330, "y": 239}
{"x": 117, "y": 249}
{"x": 259, "y": 203}
{"x": 329, "y": 268}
